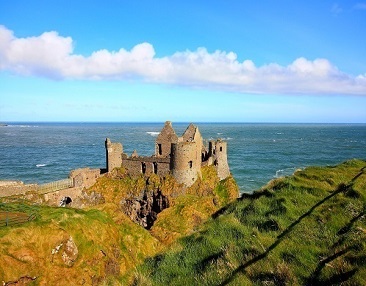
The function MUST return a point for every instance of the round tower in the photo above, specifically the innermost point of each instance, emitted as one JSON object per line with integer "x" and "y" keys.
{"x": 185, "y": 165}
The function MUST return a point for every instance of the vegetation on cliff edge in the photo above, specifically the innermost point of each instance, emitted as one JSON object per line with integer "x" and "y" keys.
{"x": 100, "y": 244}
{"x": 306, "y": 229}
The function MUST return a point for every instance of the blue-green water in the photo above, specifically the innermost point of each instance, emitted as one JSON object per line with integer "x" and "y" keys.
{"x": 43, "y": 152}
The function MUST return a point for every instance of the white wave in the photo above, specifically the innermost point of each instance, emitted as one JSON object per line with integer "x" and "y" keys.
{"x": 21, "y": 126}
{"x": 225, "y": 139}
{"x": 278, "y": 172}
{"x": 41, "y": 165}
{"x": 219, "y": 133}
{"x": 285, "y": 172}
{"x": 153, "y": 133}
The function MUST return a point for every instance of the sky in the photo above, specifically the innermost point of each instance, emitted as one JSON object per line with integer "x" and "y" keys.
{"x": 184, "y": 61}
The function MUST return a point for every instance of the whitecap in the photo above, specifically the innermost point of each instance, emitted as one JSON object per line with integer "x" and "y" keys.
{"x": 285, "y": 172}
{"x": 153, "y": 133}
{"x": 278, "y": 172}
{"x": 41, "y": 165}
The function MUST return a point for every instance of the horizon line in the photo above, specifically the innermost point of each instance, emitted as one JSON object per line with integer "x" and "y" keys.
{"x": 204, "y": 122}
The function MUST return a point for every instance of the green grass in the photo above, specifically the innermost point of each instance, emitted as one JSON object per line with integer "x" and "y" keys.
{"x": 110, "y": 246}
{"x": 306, "y": 229}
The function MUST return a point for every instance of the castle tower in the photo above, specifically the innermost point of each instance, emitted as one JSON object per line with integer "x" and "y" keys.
{"x": 185, "y": 165}
{"x": 218, "y": 151}
{"x": 113, "y": 154}
{"x": 164, "y": 141}
{"x": 192, "y": 133}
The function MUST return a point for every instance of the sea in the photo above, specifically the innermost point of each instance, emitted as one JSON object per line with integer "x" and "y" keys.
{"x": 257, "y": 152}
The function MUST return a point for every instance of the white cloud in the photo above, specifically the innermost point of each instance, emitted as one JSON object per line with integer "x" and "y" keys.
{"x": 51, "y": 55}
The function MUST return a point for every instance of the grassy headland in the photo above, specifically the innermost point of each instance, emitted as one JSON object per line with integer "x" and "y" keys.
{"x": 100, "y": 244}
{"x": 305, "y": 229}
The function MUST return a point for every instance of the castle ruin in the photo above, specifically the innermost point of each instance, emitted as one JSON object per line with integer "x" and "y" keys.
{"x": 182, "y": 156}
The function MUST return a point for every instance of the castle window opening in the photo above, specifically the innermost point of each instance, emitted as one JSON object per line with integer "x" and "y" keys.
{"x": 155, "y": 167}
{"x": 220, "y": 148}
{"x": 190, "y": 163}
{"x": 143, "y": 167}
{"x": 160, "y": 150}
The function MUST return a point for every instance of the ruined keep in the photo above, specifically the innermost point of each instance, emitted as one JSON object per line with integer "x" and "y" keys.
{"x": 182, "y": 156}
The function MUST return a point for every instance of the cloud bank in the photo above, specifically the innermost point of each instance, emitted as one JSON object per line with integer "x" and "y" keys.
{"x": 51, "y": 55}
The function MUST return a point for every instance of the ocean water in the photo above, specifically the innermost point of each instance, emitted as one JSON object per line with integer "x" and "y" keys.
{"x": 257, "y": 153}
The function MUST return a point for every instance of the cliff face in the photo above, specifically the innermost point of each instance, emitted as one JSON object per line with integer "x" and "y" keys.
{"x": 143, "y": 198}
{"x": 144, "y": 209}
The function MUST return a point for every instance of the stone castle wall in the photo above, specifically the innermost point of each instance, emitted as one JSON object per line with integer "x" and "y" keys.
{"x": 185, "y": 166}
{"x": 84, "y": 177}
{"x": 182, "y": 156}
{"x": 11, "y": 188}
{"x": 147, "y": 165}
{"x": 219, "y": 156}
{"x": 114, "y": 153}
{"x": 164, "y": 140}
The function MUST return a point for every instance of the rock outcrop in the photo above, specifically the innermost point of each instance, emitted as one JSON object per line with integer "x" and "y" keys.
{"x": 144, "y": 209}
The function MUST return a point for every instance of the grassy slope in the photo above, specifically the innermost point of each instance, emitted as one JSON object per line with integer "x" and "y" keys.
{"x": 26, "y": 250}
{"x": 307, "y": 229}
{"x": 109, "y": 244}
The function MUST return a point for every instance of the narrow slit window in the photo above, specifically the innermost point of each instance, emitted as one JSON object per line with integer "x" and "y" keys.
{"x": 190, "y": 164}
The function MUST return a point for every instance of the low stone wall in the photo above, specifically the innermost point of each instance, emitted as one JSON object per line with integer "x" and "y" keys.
{"x": 54, "y": 198}
{"x": 11, "y": 188}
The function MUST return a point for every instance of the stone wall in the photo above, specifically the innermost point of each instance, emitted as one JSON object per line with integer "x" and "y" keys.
{"x": 182, "y": 156}
{"x": 164, "y": 140}
{"x": 185, "y": 166}
{"x": 113, "y": 154}
{"x": 146, "y": 165}
{"x": 54, "y": 198}
{"x": 84, "y": 177}
{"x": 219, "y": 155}
{"x": 11, "y": 188}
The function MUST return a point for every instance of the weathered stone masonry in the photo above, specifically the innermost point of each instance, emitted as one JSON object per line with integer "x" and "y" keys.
{"x": 182, "y": 156}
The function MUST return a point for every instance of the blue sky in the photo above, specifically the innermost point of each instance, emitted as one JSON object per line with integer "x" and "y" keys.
{"x": 220, "y": 61}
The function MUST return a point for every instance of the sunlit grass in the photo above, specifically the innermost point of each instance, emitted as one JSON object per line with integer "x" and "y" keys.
{"x": 309, "y": 228}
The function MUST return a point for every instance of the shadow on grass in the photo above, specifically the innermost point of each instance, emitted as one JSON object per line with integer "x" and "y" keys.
{"x": 251, "y": 197}
{"x": 315, "y": 279}
{"x": 341, "y": 188}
